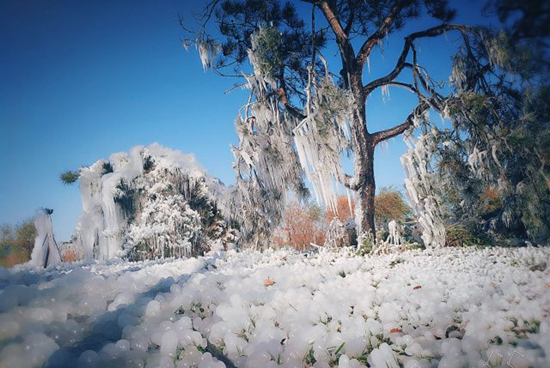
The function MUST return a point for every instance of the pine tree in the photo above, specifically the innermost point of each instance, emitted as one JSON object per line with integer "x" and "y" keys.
{"x": 329, "y": 118}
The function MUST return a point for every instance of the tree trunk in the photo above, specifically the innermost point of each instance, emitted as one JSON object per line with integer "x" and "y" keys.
{"x": 366, "y": 192}
{"x": 363, "y": 162}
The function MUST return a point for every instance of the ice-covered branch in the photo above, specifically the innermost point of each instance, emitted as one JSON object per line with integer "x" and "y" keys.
{"x": 401, "y": 62}
{"x": 396, "y": 130}
{"x": 368, "y": 45}
{"x": 421, "y": 185}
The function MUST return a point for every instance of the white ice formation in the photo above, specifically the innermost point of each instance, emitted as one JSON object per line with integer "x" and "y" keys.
{"x": 266, "y": 163}
{"x": 321, "y": 139}
{"x": 394, "y": 236}
{"x": 277, "y": 146}
{"x": 45, "y": 252}
{"x": 421, "y": 185}
{"x": 151, "y": 202}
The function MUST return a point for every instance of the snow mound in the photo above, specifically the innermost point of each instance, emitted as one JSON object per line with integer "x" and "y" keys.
{"x": 437, "y": 308}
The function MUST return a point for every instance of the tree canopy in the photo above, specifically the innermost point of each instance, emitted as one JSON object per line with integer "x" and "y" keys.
{"x": 304, "y": 115}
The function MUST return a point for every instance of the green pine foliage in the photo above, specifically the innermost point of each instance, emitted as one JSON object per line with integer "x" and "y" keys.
{"x": 495, "y": 162}
{"x": 69, "y": 176}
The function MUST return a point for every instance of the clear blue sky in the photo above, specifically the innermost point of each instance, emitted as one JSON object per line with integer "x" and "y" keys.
{"x": 80, "y": 80}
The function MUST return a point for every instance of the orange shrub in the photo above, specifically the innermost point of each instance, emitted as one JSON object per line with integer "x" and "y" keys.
{"x": 301, "y": 226}
{"x": 342, "y": 210}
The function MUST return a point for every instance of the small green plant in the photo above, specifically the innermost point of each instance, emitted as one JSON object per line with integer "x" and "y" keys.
{"x": 396, "y": 261}
{"x": 363, "y": 358}
{"x": 365, "y": 244}
{"x": 459, "y": 235}
{"x": 339, "y": 348}
{"x": 69, "y": 176}
{"x": 336, "y": 354}
{"x": 310, "y": 359}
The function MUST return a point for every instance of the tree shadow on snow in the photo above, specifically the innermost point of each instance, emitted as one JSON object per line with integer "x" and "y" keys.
{"x": 105, "y": 329}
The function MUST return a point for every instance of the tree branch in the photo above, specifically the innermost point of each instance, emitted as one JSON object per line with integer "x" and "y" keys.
{"x": 368, "y": 45}
{"x": 294, "y": 111}
{"x": 350, "y": 182}
{"x": 334, "y": 22}
{"x": 408, "y": 86}
{"x": 349, "y": 24}
{"x": 396, "y": 130}
{"x": 283, "y": 98}
{"x": 342, "y": 40}
{"x": 401, "y": 62}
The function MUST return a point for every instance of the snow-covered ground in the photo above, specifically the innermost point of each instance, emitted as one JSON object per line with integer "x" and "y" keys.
{"x": 444, "y": 308}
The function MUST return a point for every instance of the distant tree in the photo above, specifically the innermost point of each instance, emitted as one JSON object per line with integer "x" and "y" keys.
{"x": 342, "y": 211}
{"x": 530, "y": 19}
{"x": 293, "y": 94}
{"x": 390, "y": 205}
{"x": 301, "y": 226}
{"x": 17, "y": 242}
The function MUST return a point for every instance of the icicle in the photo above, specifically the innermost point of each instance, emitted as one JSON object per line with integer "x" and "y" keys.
{"x": 420, "y": 184}
{"x": 350, "y": 204}
{"x": 394, "y": 236}
{"x": 385, "y": 92}
{"x": 208, "y": 51}
{"x": 368, "y": 63}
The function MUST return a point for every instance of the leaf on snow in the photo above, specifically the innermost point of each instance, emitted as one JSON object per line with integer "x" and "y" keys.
{"x": 268, "y": 282}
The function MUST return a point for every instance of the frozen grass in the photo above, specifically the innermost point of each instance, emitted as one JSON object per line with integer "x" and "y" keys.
{"x": 460, "y": 307}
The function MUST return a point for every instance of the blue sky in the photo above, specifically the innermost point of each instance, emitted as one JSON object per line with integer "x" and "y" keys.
{"x": 80, "y": 80}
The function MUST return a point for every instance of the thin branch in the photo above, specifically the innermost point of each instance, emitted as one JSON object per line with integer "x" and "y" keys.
{"x": 368, "y": 45}
{"x": 311, "y": 72}
{"x": 396, "y": 130}
{"x": 293, "y": 111}
{"x": 410, "y": 87}
{"x": 342, "y": 40}
{"x": 401, "y": 62}
{"x": 225, "y": 75}
{"x": 234, "y": 87}
{"x": 349, "y": 24}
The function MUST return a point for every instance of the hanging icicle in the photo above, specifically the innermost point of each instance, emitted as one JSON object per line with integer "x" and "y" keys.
{"x": 421, "y": 186}
{"x": 275, "y": 149}
{"x": 266, "y": 163}
{"x": 208, "y": 52}
{"x": 322, "y": 137}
